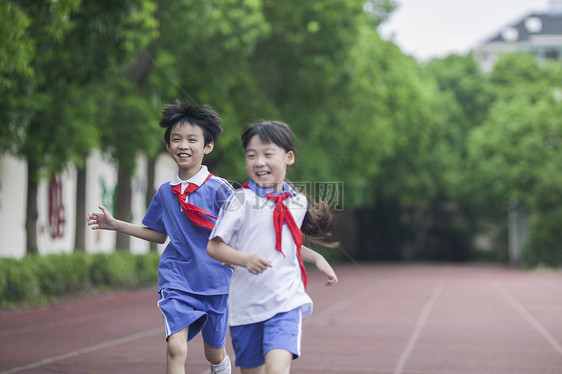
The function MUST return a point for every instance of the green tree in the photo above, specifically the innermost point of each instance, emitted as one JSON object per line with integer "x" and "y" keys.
{"x": 16, "y": 54}
{"x": 367, "y": 132}
{"x": 513, "y": 154}
{"x": 130, "y": 129}
{"x": 207, "y": 67}
{"x": 387, "y": 137}
{"x": 302, "y": 68}
{"x": 33, "y": 24}
{"x": 515, "y": 74}
{"x": 77, "y": 47}
{"x": 544, "y": 246}
{"x": 508, "y": 149}
{"x": 212, "y": 67}
{"x": 460, "y": 78}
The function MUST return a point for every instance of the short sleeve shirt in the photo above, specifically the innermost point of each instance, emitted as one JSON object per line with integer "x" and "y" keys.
{"x": 185, "y": 265}
{"x": 245, "y": 223}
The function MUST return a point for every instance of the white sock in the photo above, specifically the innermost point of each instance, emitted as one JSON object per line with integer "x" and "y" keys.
{"x": 223, "y": 367}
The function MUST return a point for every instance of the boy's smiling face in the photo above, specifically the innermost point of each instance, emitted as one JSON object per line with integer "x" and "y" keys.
{"x": 187, "y": 148}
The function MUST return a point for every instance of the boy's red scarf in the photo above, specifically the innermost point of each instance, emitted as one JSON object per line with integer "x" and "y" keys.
{"x": 282, "y": 214}
{"x": 195, "y": 214}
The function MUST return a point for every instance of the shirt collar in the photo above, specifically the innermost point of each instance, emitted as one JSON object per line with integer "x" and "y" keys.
{"x": 198, "y": 179}
{"x": 262, "y": 191}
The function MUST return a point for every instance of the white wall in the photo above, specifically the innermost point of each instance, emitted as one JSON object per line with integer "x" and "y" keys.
{"x": 13, "y": 183}
{"x": 48, "y": 241}
{"x": 101, "y": 180}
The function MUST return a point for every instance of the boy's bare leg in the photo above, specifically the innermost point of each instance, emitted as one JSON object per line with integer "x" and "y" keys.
{"x": 176, "y": 352}
{"x": 214, "y": 355}
{"x": 278, "y": 361}
{"x": 220, "y": 362}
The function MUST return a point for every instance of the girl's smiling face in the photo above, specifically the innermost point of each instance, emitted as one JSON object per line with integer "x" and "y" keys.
{"x": 266, "y": 163}
{"x": 187, "y": 148}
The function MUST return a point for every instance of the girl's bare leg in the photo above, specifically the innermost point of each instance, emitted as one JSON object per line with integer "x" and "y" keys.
{"x": 278, "y": 361}
{"x": 256, "y": 370}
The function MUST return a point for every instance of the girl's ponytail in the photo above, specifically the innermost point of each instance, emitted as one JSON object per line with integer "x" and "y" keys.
{"x": 318, "y": 224}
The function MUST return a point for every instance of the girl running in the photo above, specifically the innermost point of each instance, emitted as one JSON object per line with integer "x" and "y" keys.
{"x": 259, "y": 231}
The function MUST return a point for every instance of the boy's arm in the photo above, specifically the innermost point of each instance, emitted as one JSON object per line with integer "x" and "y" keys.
{"x": 317, "y": 259}
{"x": 105, "y": 221}
{"x": 219, "y": 250}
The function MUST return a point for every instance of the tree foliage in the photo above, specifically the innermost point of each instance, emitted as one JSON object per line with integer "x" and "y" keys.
{"x": 71, "y": 48}
{"x": 74, "y": 49}
{"x": 518, "y": 140}
{"x": 427, "y": 153}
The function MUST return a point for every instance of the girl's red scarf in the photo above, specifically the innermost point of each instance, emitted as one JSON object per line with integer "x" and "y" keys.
{"x": 282, "y": 214}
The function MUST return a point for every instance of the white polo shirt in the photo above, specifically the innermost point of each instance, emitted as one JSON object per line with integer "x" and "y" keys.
{"x": 245, "y": 223}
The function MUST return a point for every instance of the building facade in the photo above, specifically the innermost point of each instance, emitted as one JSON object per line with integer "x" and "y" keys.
{"x": 536, "y": 33}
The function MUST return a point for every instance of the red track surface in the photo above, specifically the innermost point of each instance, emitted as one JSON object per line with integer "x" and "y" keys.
{"x": 378, "y": 319}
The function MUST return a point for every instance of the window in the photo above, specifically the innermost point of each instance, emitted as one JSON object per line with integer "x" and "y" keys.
{"x": 552, "y": 54}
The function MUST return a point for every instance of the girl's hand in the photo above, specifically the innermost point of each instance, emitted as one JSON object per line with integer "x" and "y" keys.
{"x": 332, "y": 279}
{"x": 325, "y": 268}
{"x": 102, "y": 221}
{"x": 256, "y": 263}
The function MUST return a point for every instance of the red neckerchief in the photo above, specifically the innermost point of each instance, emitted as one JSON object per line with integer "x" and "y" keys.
{"x": 194, "y": 213}
{"x": 282, "y": 214}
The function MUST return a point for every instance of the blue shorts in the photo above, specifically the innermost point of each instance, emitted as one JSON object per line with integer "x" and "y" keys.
{"x": 252, "y": 342}
{"x": 206, "y": 313}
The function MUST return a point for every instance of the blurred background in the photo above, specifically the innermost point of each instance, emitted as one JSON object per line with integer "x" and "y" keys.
{"x": 449, "y": 154}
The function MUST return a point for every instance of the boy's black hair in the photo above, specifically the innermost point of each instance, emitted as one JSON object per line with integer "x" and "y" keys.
{"x": 197, "y": 115}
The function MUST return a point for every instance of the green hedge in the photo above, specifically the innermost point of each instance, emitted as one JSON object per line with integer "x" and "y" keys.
{"x": 35, "y": 279}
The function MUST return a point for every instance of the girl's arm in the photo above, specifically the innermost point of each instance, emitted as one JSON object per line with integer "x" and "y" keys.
{"x": 317, "y": 259}
{"x": 105, "y": 221}
{"x": 219, "y": 250}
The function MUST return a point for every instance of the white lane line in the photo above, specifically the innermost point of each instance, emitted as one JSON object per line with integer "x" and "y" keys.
{"x": 527, "y": 316}
{"x": 428, "y": 307}
{"x": 93, "y": 348}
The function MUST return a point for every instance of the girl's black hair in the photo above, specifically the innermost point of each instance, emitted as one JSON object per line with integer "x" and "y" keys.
{"x": 274, "y": 132}
{"x": 197, "y": 115}
{"x": 319, "y": 220}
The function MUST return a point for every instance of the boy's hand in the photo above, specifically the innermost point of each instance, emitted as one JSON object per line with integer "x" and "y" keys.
{"x": 256, "y": 263}
{"x": 102, "y": 221}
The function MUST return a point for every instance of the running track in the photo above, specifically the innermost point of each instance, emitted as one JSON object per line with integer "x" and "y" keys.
{"x": 378, "y": 319}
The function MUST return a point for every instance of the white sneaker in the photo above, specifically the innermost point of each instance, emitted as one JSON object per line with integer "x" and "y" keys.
{"x": 223, "y": 367}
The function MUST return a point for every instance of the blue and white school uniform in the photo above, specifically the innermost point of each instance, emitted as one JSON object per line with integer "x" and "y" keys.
{"x": 245, "y": 223}
{"x": 193, "y": 287}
